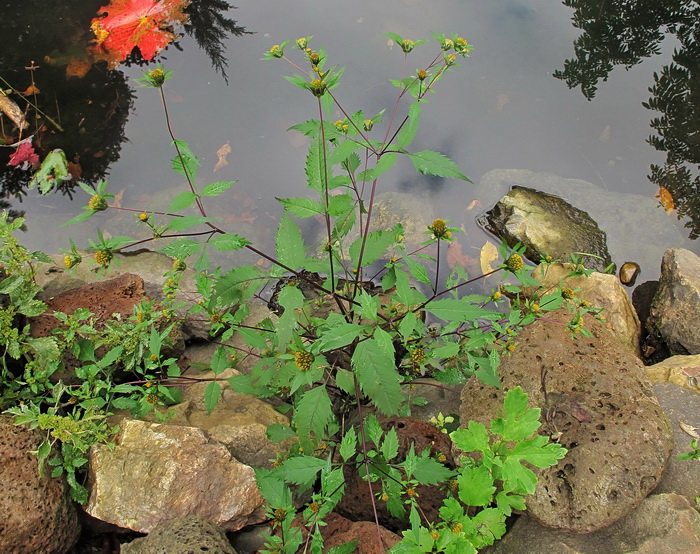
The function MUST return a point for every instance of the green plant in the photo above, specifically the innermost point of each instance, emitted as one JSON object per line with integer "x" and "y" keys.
{"x": 693, "y": 453}
{"x": 359, "y": 318}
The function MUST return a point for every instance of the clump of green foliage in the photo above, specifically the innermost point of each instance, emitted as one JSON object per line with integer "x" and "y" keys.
{"x": 395, "y": 319}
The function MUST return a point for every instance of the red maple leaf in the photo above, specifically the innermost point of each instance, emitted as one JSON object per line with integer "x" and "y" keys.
{"x": 24, "y": 155}
{"x": 129, "y": 23}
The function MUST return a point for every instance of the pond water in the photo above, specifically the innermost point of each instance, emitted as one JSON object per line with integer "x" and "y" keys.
{"x": 501, "y": 109}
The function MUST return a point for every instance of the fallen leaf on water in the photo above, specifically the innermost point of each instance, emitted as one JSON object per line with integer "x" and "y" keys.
{"x": 605, "y": 134}
{"x": 489, "y": 253}
{"x": 78, "y": 68}
{"x": 665, "y": 199}
{"x": 117, "y": 200}
{"x": 501, "y": 101}
{"x": 11, "y": 110}
{"x": 692, "y": 431}
{"x": 222, "y": 153}
{"x": 75, "y": 170}
{"x": 473, "y": 204}
{"x": 455, "y": 256}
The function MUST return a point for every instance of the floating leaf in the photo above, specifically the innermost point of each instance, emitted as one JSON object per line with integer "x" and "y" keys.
{"x": 221, "y": 154}
{"x": 489, "y": 253}
{"x": 665, "y": 199}
{"x": 689, "y": 429}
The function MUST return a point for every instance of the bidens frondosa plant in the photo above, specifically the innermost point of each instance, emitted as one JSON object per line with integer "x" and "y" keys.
{"x": 359, "y": 319}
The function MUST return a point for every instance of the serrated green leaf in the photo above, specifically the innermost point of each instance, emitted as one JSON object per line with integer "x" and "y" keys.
{"x": 342, "y": 151}
{"x": 217, "y": 188}
{"x": 384, "y": 164}
{"x": 348, "y": 446}
{"x": 186, "y": 222}
{"x": 53, "y": 171}
{"x": 312, "y": 415}
{"x": 475, "y": 486}
{"x": 181, "y": 248}
{"x": 228, "y": 242}
{"x": 377, "y": 375}
{"x": 519, "y": 422}
{"x": 339, "y": 204}
{"x": 87, "y": 214}
{"x": 345, "y": 548}
{"x": 186, "y": 162}
{"x": 518, "y": 478}
{"x": 273, "y": 488}
{"x": 376, "y": 245}
{"x": 538, "y": 452}
{"x": 338, "y": 335}
{"x": 384, "y": 341}
{"x": 390, "y": 445}
{"x": 238, "y": 283}
{"x": 253, "y": 338}
{"x": 302, "y": 207}
{"x": 314, "y": 165}
{"x": 428, "y": 162}
{"x": 373, "y": 430}
{"x": 351, "y": 163}
{"x": 475, "y": 438}
{"x": 302, "y": 470}
{"x": 408, "y": 131}
{"x": 219, "y": 361}
{"x": 291, "y": 250}
{"x": 429, "y": 471}
{"x": 182, "y": 201}
{"x": 408, "y": 325}
{"x": 460, "y": 310}
{"x": 211, "y": 396}
{"x": 278, "y": 432}
{"x": 344, "y": 380}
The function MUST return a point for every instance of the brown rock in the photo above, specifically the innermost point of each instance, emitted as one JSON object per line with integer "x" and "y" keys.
{"x": 592, "y": 397}
{"x": 36, "y": 513}
{"x": 662, "y": 524}
{"x": 340, "y": 530}
{"x": 183, "y": 535}
{"x": 160, "y": 472}
{"x": 357, "y": 503}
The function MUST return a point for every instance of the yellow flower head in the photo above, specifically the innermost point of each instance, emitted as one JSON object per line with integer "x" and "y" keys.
{"x": 103, "y": 257}
{"x": 143, "y": 217}
{"x": 439, "y": 228}
{"x": 303, "y": 359}
{"x": 97, "y": 203}
{"x": 515, "y": 262}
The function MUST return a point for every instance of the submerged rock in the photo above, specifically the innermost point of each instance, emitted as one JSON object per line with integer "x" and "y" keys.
{"x": 595, "y": 401}
{"x": 547, "y": 225}
{"x": 629, "y": 271}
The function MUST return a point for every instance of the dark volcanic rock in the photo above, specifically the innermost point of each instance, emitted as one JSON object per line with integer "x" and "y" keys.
{"x": 37, "y": 514}
{"x": 547, "y": 225}
{"x": 594, "y": 398}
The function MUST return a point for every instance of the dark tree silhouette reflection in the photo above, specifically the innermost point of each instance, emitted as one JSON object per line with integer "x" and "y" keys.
{"x": 623, "y": 33}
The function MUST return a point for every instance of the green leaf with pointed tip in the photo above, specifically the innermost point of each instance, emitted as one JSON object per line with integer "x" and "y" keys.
{"x": 238, "y": 283}
{"x": 53, "y": 171}
{"x": 377, "y": 375}
{"x": 186, "y": 162}
{"x": 390, "y": 445}
{"x": 228, "y": 242}
{"x": 302, "y": 470}
{"x": 290, "y": 244}
{"x": 217, "y": 188}
{"x": 187, "y": 222}
{"x": 181, "y": 248}
{"x": 302, "y": 207}
{"x": 376, "y": 245}
{"x": 429, "y": 471}
{"x": 182, "y": 201}
{"x": 462, "y": 310}
{"x": 475, "y": 486}
{"x": 384, "y": 164}
{"x": 278, "y": 432}
{"x": 428, "y": 162}
{"x": 348, "y": 446}
{"x": 342, "y": 151}
{"x": 211, "y": 396}
{"x": 312, "y": 415}
{"x": 519, "y": 422}
{"x": 408, "y": 131}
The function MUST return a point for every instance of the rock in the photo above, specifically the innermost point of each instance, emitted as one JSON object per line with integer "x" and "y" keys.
{"x": 628, "y": 273}
{"x": 104, "y": 299}
{"x": 183, "y": 535}
{"x": 38, "y": 514}
{"x": 662, "y": 524}
{"x": 602, "y": 291}
{"x": 547, "y": 225}
{"x": 597, "y": 398}
{"x": 441, "y": 398}
{"x": 356, "y": 503}
{"x": 674, "y": 311}
{"x": 680, "y": 370}
{"x": 340, "y": 530}
{"x": 636, "y": 229}
{"x": 160, "y": 472}
{"x": 681, "y": 406}
{"x": 149, "y": 266}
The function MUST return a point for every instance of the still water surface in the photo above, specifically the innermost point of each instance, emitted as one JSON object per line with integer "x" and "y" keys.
{"x": 501, "y": 109}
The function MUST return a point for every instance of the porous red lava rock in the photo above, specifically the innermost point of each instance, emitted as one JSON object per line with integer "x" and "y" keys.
{"x": 340, "y": 530}
{"x": 36, "y": 513}
{"x": 595, "y": 401}
{"x": 356, "y": 503}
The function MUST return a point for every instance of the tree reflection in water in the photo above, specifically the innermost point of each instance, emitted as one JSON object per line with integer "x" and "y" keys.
{"x": 619, "y": 32}
{"x": 90, "y": 103}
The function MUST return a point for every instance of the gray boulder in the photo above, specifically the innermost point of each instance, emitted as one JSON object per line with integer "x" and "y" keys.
{"x": 547, "y": 225}
{"x": 183, "y": 535}
{"x": 663, "y": 524}
{"x": 674, "y": 311}
{"x": 37, "y": 513}
{"x": 595, "y": 402}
